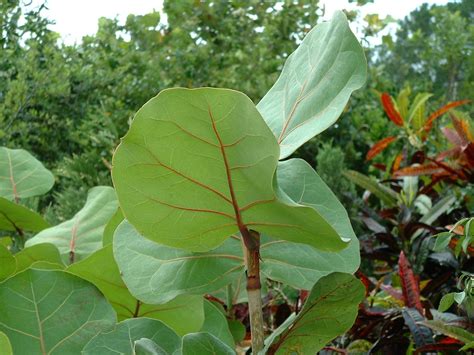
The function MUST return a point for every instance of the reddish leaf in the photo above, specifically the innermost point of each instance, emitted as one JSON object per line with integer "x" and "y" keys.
{"x": 441, "y": 111}
{"x": 452, "y": 136}
{"x": 410, "y": 287}
{"x": 453, "y": 152}
{"x": 390, "y": 110}
{"x": 454, "y": 242}
{"x": 397, "y": 162}
{"x": 365, "y": 280}
{"x": 427, "y": 169}
{"x": 378, "y": 147}
{"x": 438, "y": 347}
{"x": 462, "y": 128}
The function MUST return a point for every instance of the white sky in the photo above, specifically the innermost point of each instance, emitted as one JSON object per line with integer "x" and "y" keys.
{"x": 76, "y": 18}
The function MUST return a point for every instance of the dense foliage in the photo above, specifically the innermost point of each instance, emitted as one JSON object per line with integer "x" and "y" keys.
{"x": 400, "y": 159}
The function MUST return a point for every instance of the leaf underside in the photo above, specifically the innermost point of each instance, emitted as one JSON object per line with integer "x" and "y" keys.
{"x": 315, "y": 84}
{"x": 197, "y": 166}
{"x": 22, "y": 175}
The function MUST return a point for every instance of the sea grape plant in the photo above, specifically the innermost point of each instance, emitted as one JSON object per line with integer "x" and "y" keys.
{"x": 203, "y": 200}
{"x": 199, "y": 168}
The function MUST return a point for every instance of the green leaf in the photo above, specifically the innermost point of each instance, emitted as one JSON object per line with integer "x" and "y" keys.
{"x": 299, "y": 265}
{"x": 14, "y": 217}
{"x": 204, "y": 343}
{"x": 37, "y": 253}
{"x": 184, "y": 314}
{"x": 155, "y": 273}
{"x": 442, "y": 241}
{"x": 22, "y": 175}
{"x": 315, "y": 84}
{"x": 330, "y": 310}
{"x": 438, "y": 209}
{"x": 450, "y": 330}
{"x": 122, "y": 339}
{"x": 402, "y": 102}
{"x": 237, "y": 330}
{"x": 111, "y": 226}
{"x": 417, "y": 109}
{"x": 468, "y": 346}
{"x": 443, "y": 205}
{"x": 277, "y": 332}
{"x": 197, "y": 166}
{"x": 52, "y": 312}
{"x": 385, "y": 194}
{"x": 146, "y": 346}
{"x": 446, "y": 302}
{"x": 7, "y": 262}
{"x": 5, "y": 346}
{"x": 215, "y": 323}
{"x": 82, "y": 235}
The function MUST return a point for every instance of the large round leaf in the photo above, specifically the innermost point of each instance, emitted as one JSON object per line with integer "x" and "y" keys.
{"x": 52, "y": 312}
{"x": 122, "y": 339}
{"x": 315, "y": 84}
{"x": 82, "y": 235}
{"x": 155, "y": 273}
{"x": 300, "y": 265}
{"x": 330, "y": 310}
{"x": 184, "y": 314}
{"x": 14, "y": 217}
{"x": 22, "y": 175}
{"x": 197, "y": 166}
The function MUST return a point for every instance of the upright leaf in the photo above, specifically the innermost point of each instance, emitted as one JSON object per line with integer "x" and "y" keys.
{"x": 184, "y": 313}
{"x": 197, "y": 166}
{"x": 54, "y": 312}
{"x": 204, "y": 343}
{"x": 390, "y": 109}
{"x": 22, "y": 175}
{"x": 330, "y": 310}
{"x": 315, "y": 84}
{"x": 122, "y": 339}
{"x": 215, "y": 323}
{"x": 417, "y": 106}
{"x": 410, "y": 287}
{"x": 82, "y": 235}
{"x": 14, "y": 217}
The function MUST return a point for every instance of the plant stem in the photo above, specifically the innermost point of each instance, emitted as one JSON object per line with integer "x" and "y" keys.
{"x": 252, "y": 259}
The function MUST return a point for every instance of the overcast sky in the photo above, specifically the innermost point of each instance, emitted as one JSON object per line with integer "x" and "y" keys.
{"x": 76, "y": 18}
